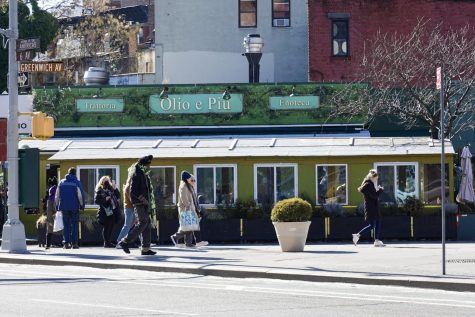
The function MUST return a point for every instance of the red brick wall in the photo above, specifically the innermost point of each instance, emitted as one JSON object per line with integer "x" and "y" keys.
{"x": 3, "y": 139}
{"x": 367, "y": 17}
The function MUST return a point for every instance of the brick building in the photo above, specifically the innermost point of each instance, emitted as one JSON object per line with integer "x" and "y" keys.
{"x": 339, "y": 29}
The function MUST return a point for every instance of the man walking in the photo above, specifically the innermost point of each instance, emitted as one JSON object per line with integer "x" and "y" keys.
{"x": 142, "y": 197}
{"x": 70, "y": 199}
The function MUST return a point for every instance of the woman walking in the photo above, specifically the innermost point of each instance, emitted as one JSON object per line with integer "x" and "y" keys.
{"x": 371, "y": 191}
{"x": 107, "y": 197}
{"x": 50, "y": 211}
{"x": 187, "y": 200}
{"x": 129, "y": 217}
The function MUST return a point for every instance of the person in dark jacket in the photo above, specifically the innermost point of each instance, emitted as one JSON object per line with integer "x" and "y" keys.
{"x": 142, "y": 197}
{"x": 69, "y": 199}
{"x": 371, "y": 191}
{"x": 107, "y": 197}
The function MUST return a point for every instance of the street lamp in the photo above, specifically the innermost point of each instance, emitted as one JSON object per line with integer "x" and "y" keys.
{"x": 253, "y": 43}
{"x": 13, "y": 236}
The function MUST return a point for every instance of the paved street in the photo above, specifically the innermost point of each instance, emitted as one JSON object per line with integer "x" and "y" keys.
{"x": 71, "y": 291}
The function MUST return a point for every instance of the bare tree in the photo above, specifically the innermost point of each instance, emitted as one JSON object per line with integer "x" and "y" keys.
{"x": 398, "y": 80}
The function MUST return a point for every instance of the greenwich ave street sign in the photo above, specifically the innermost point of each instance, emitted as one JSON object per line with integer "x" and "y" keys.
{"x": 196, "y": 104}
{"x": 41, "y": 67}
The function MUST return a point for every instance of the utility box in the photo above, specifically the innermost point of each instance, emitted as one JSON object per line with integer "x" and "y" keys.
{"x": 29, "y": 178}
{"x": 466, "y": 227}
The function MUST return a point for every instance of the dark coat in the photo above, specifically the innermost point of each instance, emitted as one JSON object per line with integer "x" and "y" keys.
{"x": 140, "y": 187}
{"x": 100, "y": 198}
{"x": 371, "y": 202}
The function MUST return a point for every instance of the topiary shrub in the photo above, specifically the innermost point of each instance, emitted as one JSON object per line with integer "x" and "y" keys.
{"x": 291, "y": 210}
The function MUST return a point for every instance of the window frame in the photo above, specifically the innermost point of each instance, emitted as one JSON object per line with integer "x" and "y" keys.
{"x": 174, "y": 180}
{"x": 274, "y": 18}
{"x": 214, "y": 166}
{"x": 239, "y": 16}
{"x": 96, "y": 167}
{"x": 340, "y": 19}
{"x": 275, "y": 165}
{"x": 346, "y": 182}
{"x": 394, "y": 165}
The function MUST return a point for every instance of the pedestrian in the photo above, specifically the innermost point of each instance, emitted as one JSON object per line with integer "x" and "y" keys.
{"x": 107, "y": 198}
{"x": 129, "y": 217}
{"x": 371, "y": 191}
{"x": 187, "y": 200}
{"x": 50, "y": 210}
{"x": 70, "y": 199}
{"x": 142, "y": 197}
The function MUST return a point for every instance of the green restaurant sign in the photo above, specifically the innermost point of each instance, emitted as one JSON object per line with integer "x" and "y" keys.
{"x": 294, "y": 102}
{"x": 100, "y": 105}
{"x": 196, "y": 104}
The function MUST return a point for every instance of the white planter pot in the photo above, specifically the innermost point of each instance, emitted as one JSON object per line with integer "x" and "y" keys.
{"x": 292, "y": 235}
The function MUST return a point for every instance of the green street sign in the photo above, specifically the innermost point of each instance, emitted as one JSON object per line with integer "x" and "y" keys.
{"x": 196, "y": 104}
{"x": 100, "y": 105}
{"x": 294, "y": 102}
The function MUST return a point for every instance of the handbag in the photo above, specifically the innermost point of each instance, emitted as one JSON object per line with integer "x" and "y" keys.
{"x": 108, "y": 211}
{"x": 58, "y": 222}
{"x": 189, "y": 221}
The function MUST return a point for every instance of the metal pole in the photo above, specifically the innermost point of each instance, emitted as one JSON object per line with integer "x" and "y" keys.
{"x": 13, "y": 237}
{"x": 442, "y": 164}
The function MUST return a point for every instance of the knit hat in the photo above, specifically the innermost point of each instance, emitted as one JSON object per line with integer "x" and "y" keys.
{"x": 146, "y": 160}
{"x": 185, "y": 176}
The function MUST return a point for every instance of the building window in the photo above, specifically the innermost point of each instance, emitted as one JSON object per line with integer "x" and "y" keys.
{"x": 281, "y": 13}
{"x": 247, "y": 13}
{"x": 89, "y": 176}
{"x": 332, "y": 184}
{"x": 432, "y": 192}
{"x": 340, "y": 37}
{"x": 399, "y": 180}
{"x": 216, "y": 183}
{"x": 163, "y": 182}
{"x": 274, "y": 182}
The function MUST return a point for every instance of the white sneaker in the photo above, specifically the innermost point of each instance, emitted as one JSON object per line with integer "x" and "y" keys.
{"x": 356, "y": 238}
{"x": 172, "y": 237}
{"x": 202, "y": 244}
{"x": 379, "y": 243}
{"x": 180, "y": 245}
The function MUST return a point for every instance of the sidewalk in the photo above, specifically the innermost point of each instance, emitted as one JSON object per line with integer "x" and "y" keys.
{"x": 401, "y": 264}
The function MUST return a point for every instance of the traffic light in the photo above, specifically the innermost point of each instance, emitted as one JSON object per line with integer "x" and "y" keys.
{"x": 42, "y": 127}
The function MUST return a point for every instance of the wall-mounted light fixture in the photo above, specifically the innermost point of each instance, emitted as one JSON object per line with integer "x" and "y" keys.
{"x": 292, "y": 94}
{"x": 164, "y": 93}
{"x": 226, "y": 94}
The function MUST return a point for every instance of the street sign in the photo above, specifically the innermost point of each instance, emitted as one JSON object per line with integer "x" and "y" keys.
{"x": 25, "y": 56}
{"x": 438, "y": 81}
{"x": 23, "y": 79}
{"x": 28, "y": 44}
{"x": 42, "y": 67}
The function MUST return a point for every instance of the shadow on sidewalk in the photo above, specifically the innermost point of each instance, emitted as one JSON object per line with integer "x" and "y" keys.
{"x": 29, "y": 281}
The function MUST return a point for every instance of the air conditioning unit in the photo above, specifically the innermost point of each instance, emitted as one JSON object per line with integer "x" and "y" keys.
{"x": 281, "y": 22}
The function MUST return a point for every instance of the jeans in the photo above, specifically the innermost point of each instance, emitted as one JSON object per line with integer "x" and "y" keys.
{"x": 108, "y": 224}
{"x": 376, "y": 225}
{"x": 143, "y": 226}
{"x": 128, "y": 222}
{"x": 71, "y": 226}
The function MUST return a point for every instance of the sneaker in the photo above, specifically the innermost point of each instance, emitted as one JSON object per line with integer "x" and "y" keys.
{"x": 117, "y": 246}
{"x": 356, "y": 238}
{"x": 149, "y": 252}
{"x": 67, "y": 246}
{"x": 379, "y": 243}
{"x": 180, "y": 245}
{"x": 172, "y": 237}
{"x": 75, "y": 246}
{"x": 202, "y": 244}
{"x": 124, "y": 246}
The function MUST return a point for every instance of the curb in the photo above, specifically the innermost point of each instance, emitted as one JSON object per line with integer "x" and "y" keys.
{"x": 446, "y": 286}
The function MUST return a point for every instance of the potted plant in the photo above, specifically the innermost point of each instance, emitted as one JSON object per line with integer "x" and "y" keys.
{"x": 291, "y": 218}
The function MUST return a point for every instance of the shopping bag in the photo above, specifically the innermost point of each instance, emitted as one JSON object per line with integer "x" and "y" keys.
{"x": 189, "y": 221}
{"x": 58, "y": 222}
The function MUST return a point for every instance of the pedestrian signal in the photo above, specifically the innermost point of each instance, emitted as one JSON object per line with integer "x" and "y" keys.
{"x": 42, "y": 127}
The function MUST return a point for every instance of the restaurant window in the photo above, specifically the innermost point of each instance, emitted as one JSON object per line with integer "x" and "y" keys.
{"x": 247, "y": 13}
{"x": 332, "y": 184}
{"x": 399, "y": 180}
{"x": 274, "y": 182}
{"x": 281, "y": 13}
{"x": 432, "y": 192}
{"x": 216, "y": 183}
{"x": 89, "y": 176}
{"x": 163, "y": 182}
{"x": 340, "y": 37}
